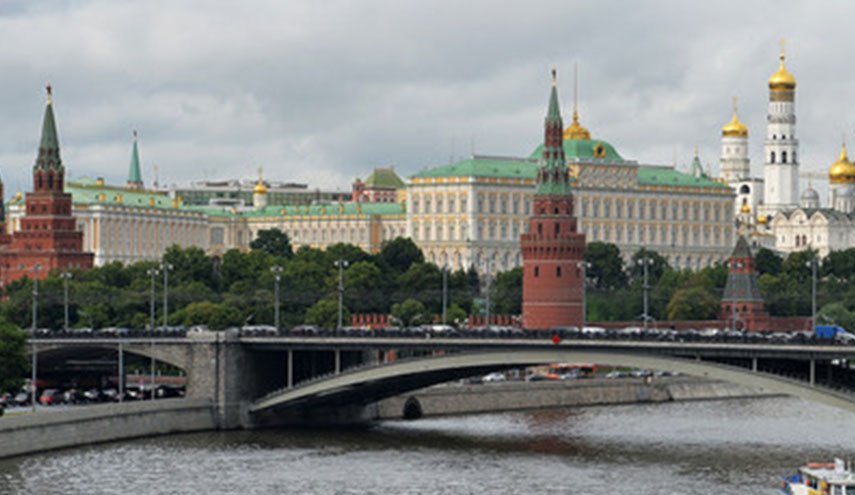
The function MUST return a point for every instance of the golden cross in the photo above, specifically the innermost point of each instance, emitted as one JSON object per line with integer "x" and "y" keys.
{"x": 782, "y": 43}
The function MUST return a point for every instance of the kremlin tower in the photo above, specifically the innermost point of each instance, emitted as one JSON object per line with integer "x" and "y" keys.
{"x": 553, "y": 250}
{"x": 742, "y": 304}
{"x": 781, "y": 170}
{"x": 48, "y": 238}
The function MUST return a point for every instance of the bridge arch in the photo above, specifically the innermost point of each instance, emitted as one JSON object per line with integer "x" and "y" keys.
{"x": 367, "y": 385}
{"x": 167, "y": 354}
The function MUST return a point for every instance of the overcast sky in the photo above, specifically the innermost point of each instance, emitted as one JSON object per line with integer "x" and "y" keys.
{"x": 323, "y": 91}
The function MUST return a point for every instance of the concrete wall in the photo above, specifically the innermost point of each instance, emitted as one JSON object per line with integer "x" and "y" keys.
{"x": 515, "y": 396}
{"x": 29, "y": 433}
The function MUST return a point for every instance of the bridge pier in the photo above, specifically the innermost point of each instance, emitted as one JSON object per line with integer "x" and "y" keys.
{"x": 337, "y": 367}
{"x": 813, "y": 372}
{"x": 754, "y": 364}
{"x": 289, "y": 381}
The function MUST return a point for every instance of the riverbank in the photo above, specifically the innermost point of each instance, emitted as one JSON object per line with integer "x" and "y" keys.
{"x": 456, "y": 399}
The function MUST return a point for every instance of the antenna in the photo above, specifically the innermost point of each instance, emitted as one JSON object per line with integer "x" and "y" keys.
{"x": 734, "y": 105}
{"x": 575, "y": 89}
{"x": 156, "y": 168}
{"x": 782, "y": 43}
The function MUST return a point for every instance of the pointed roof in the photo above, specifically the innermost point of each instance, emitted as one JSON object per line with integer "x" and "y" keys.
{"x": 553, "y": 177}
{"x": 741, "y": 284}
{"x": 134, "y": 175}
{"x": 697, "y": 169}
{"x": 384, "y": 178}
{"x": 554, "y": 113}
{"x": 48, "y": 158}
{"x": 742, "y": 249}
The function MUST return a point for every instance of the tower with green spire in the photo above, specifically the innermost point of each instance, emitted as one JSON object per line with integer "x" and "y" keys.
{"x": 48, "y": 238}
{"x": 134, "y": 176}
{"x": 553, "y": 249}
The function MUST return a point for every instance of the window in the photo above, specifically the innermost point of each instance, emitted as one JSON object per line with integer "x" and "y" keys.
{"x": 607, "y": 209}
{"x": 641, "y": 206}
{"x": 557, "y": 272}
{"x": 451, "y": 204}
{"x": 557, "y": 228}
{"x": 536, "y": 271}
{"x": 772, "y": 157}
{"x": 783, "y": 157}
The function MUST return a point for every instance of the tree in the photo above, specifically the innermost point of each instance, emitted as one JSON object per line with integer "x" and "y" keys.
{"x": 399, "y": 254}
{"x": 837, "y": 314}
{"x": 455, "y": 315}
{"x": 693, "y": 303}
{"x": 422, "y": 281}
{"x": 273, "y": 242}
{"x": 767, "y": 261}
{"x": 13, "y": 359}
{"x": 606, "y": 266}
{"x": 654, "y": 269}
{"x": 324, "y": 314}
{"x": 506, "y": 292}
{"x": 410, "y": 312}
{"x": 840, "y": 264}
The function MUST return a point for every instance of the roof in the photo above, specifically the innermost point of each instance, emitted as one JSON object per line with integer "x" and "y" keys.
{"x": 584, "y": 149}
{"x": 829, "y": 213}
{"x": 477, "y": 166}
{"x": 48, "y": 158}
{"x": 86, "y": 191}
{"x": 331, "y": 209}
{"x": 134, "y": 175}
{"x": 742, "y": 249}
{"x": 668, "y": 176}
{"x": 384, "y": 178}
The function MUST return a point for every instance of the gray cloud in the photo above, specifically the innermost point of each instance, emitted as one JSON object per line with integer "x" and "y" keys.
{"x": 324, "y": 91}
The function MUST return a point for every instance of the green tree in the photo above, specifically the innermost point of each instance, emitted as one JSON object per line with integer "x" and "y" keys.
{"x": 189, "y": 265}
{"x": 324, "y": 314}
{"x": 606, "y": 266}
{"x": 506, "y": 292}
{"x": 693, "y": 303}
{"x": 362, "y": 282}
{"x": 767, "y": 261}
{"x": 455, "y": 315}
{"x": 422, "y": 281}
{"x": 655, "y": 269}
{"x": 840, "y": 264}
{"x": 273, "y": 242}
{"x": 13, "y": 359}
{"x": 837, "y": 314}
{"x": 399, "y": 254}
{"x": 410, "y": 312}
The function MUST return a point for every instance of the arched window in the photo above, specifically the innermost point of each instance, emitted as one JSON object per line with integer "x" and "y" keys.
{"x": 537, "y": 271}
{"x": 557, "y": 228}
{"x": 558, "y": 272}
{"x": 772, "y": 158}
{"x": 745, "y": 189}
{"x": 783, "y": 157}
{"x": 540, "y": 229}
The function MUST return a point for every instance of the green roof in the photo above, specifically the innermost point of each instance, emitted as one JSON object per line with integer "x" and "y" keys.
{"x": 667, "y": 176}
{"x": 484, "y": 167}
{"x": 384, "y": 178}
{"x": 307, "y": 210}
{"x": 87, "y": 191}
{"x": 134, "y": 175}
{"x": 584, "y": 149}
{"x": 48, "y": 158}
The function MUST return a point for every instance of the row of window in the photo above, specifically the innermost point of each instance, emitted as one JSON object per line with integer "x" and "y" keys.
{"x": 663, "y": 235}
{"x": 772, "y": 157}
{"x": 654, "y": 210}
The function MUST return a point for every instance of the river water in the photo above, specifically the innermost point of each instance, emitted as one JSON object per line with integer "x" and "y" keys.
{"x": 721, "y": 447}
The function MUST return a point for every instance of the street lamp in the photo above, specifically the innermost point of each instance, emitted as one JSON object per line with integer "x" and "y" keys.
{"x": 489, "y": 266}
{"x": 341, "y": 265}
{"x": 645, "y": 263}
{"x": 813, "y": 264}
{"x": 152, "y": 273}
{"x": 444, "y": 292}
{"x": 166, "y": 267}
{"x": 65, "y": 277}
{"x": 584, "y": 266}
{"x": 277, "y": 276}
{"x": 36, "y": 270}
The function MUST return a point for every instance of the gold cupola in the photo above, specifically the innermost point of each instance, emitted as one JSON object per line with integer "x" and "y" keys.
{"x": 260, "y": 188}
{"x": 782, "y": 80}
{"x": 734, "y": 128}
{"x": 842, "y": 171}
{"x": 576, "y": 132}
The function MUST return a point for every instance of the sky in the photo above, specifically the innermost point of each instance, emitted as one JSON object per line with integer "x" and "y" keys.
{"x": 321, "y": 92}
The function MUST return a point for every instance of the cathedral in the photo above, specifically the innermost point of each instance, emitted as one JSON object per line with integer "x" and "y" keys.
{"x": 770, "y": 210}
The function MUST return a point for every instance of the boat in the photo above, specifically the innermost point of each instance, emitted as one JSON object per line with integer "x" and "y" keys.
{"x": 821, "y": 478}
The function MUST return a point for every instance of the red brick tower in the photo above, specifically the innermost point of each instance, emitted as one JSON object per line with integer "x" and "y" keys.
{"x": 552, "y": 250}
{"x": 742, "y": 304}
{"x": 48, "y": 238}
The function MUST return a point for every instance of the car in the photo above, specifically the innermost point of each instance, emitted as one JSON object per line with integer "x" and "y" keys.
{"x": 22, "y": 399}
{"x": 845, "y": 338}
{"x": 494, "y": 377}
{"x": 50, "y": 397}
{"x": 616, "y": 374}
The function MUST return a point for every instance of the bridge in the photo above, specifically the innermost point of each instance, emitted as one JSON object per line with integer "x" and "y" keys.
{"x": 255, "y": 381}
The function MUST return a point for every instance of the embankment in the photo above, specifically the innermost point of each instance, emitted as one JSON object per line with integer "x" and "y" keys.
{"x": 448, "y": 400}
{"x": 29, "y": 433}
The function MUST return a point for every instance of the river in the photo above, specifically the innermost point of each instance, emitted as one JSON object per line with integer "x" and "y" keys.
{"x": 712, "y": 447}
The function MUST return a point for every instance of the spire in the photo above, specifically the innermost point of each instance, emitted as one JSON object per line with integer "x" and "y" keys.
{"x": 48, "y": 158}
{"x": 134, "y": 175}
{"x": 554, "y": 113}
{"x": 697, "y": 169}
{"x": 553, "y": 177}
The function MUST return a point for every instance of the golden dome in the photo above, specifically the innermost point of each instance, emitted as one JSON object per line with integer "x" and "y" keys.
{"x": 576, "y": 131}
{"x": 842, "y": 171}
{"x": 260, "y": 188}
{"x": 782, "y": 79}
{"x": 734, "y": 128}
{"x": 761, "y": 219}
{"x": 746, "y": 208}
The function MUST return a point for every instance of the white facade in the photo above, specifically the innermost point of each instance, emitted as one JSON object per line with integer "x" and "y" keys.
{"x": 781, "y": 169}
{"x": 734, "y": 162}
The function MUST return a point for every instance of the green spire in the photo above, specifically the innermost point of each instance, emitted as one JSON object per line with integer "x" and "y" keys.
{"x": 697, "y": 170}
{"x": 552, "y": 178}
{"x": 48, "y": 157}
{"x": 554, "y": 113}
{"x": 134, "y": 176}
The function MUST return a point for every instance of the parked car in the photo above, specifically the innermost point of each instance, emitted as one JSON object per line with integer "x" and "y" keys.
{"x": 21, "y": 399}
{"x": 50, "y": 397}
{"x": 494, "y": 377}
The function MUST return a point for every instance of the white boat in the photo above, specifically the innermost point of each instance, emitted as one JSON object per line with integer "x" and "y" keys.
{"x": 821, "y": 478}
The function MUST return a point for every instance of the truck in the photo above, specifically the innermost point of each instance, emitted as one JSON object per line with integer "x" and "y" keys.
{"x": 833, "y": 332}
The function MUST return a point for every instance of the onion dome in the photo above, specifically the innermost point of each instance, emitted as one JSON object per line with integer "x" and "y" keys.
{"x": 746, "y": 208}
{"x": 761, "y": 219}
{"x": 782, "y": 80}
{"x": 809, "y": 198}
{"x": 842, "y": 171}
{"x": 576, "y": 131}
{"x": 734, "y": 128}
{"x": 260, "y": 188}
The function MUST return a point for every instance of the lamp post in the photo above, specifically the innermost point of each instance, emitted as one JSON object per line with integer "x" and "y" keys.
{"x": 277, "y": 276}
{"x": 444, "y": 293}
{"x": 166, "y": 267}
{"x": 489, "y": 273}
{"x": 813, "y": 264}
{"x": 152, "y": 273}
{"x": 65, "y": 277}
{"x": 36, "y": 270}
{"x": 584, "y": 266}
{"x": 341, "y": 265}
{"x": 645, "y": 263}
